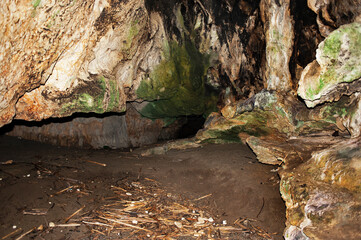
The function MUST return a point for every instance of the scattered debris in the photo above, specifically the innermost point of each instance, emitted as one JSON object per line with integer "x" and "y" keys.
{"x": 142, "y": 209}
{"x": 149, "y": 211}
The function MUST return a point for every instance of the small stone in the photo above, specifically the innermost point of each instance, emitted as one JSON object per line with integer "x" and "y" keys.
{"x": 178, "y": 224}
{"x": 201, "y": 220}
{"x": 224, "y": 222}
{"x": 14, "y": 226}
{"x": 51, "y": 224}
{"x": 129, "y": 194}
{"x": 135, "y": 222}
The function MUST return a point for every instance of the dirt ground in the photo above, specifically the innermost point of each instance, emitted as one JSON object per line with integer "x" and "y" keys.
{"x": 42, "y": 184}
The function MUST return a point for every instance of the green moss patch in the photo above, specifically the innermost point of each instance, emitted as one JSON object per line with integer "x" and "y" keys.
{"x": 176, "y": 87}
{"x": 339, "y": 55}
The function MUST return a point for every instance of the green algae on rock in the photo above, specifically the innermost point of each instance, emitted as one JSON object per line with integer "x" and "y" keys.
{"x": 338, "y": 61}
{"x": 176, "y": 87}
{"x": 100, "y": 98}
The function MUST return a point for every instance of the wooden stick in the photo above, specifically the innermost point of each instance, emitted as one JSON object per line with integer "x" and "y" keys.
{"x": 261, "y": 208}
{"x": 66, "y": 189}
{"x": 151, "y": 180}
{"x": 36, "y": 212}
{"x": 97, "y": 223}
{"x": 97, "y": 231}
{"x": 12, "y": 233}
{"x": 26, "y": 233}
{"x": 75, "y": 213}
{"x": 98, "y": 163}
{"x": 7, "y": 162}
{"x": 203, "y": 197}
{"x": 118, "y": 188}
{"x": 68, "y": 225}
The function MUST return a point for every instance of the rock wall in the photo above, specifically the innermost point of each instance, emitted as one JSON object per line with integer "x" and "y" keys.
{"x": 60, "y": 57}
{"x": 278, "y": 23}
{"x": 126, "y": 130}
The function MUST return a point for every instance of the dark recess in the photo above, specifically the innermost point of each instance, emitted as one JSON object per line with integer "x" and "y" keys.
{"x": 191, "y": 127}
{"x": 7, "y": 128}
{"x": 307, "y": 36}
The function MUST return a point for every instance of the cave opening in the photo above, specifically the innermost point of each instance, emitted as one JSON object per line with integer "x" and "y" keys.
{"x": 180, "y": 119}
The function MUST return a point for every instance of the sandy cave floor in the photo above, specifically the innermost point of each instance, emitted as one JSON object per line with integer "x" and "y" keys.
{"x": 43, "y": 184}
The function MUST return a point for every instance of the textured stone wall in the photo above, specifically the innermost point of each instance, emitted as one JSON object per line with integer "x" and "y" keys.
{"x": 61, "y": 57}
{"x": 115, "y": 131}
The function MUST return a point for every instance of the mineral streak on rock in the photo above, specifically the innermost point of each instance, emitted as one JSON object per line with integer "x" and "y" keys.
{"x": 279, "y": 43}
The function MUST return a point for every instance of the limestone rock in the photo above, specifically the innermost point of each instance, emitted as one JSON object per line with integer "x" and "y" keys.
{"x": 115, "y": 131}
{"x": 40, "y": 38}
{"x": 331, "y": 14}
{"x": 267, "y": 151}
{"x": 323, "y": 194}
{"x": 60, "y": 57}
{"x": 171, "y": 145}
{"x": 338, "y": 58}
{"x": 279, "y": 43}
{"x": 336, "y": 73}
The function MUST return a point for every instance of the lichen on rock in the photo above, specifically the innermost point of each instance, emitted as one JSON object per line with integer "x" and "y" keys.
{"x": 338, "y": 61}
{"x": 103, "y": 96}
